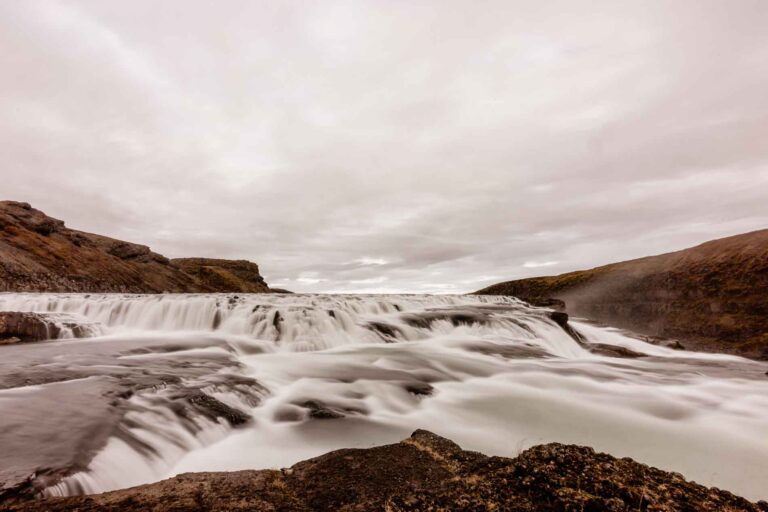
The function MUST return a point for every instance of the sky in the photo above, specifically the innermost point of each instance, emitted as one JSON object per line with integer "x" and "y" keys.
{"x": 390, "y": 146}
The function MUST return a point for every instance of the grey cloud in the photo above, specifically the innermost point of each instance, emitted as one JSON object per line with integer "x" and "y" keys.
{"x": 456, "y": 142}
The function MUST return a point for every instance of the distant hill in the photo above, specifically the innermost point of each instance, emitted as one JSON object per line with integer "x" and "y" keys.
{"x": 713, "y": 296}
{"x": 40, "y": 254}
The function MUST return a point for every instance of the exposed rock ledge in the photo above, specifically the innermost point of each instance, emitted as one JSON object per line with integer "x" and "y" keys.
{"x": 16, "y": 327}
{"x": 424, "y": 472}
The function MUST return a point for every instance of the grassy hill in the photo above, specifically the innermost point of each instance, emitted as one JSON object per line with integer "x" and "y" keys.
{"x": 714, "y": 296}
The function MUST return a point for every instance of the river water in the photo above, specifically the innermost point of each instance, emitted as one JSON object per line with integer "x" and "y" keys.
{"x": 179, "y": 383}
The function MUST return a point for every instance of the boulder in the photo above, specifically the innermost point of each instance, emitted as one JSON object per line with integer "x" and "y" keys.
{"x": 18, "y": 327}
{"x": 127, "y": 251}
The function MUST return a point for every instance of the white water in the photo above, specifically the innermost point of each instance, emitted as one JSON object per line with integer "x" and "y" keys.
{"x": 503, "y": 376}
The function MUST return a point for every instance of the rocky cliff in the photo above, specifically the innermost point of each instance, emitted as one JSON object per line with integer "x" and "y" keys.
{"x": 40, "y": 254}
{"x": 217, "y": 274}
{"x": 424, "y": 472}
{"x": 712, "y": 297}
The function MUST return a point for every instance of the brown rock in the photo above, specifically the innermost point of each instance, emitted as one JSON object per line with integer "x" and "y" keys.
{"x": 231, "y": 275}
{"x": 18, "y": 327}
{"x": 40, "y": 254}
{"x": 423, "y": 473}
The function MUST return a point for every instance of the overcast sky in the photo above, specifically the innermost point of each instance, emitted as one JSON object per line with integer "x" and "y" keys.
{"x": 389, "y": 146}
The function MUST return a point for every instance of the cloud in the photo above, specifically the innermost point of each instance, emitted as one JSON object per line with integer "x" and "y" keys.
{"x": 365, "y": 261}
{"x": 371, "y": 280}
{"x": 539, "y": 264}
{"x": 433, "y": 144}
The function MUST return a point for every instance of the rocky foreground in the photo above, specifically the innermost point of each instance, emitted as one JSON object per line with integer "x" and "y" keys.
{"x": 424, "y": 472}
{"x": 711, "y": 297}
{"x": 40, "y": 254}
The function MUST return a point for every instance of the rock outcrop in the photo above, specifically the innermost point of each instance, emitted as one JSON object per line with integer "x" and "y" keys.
{"x": 712, "y": 297}
{"x": 231, "y": 275}
{"x": 424, "y": 472}
{"x": 40, "y": 254}
{"x": 18, "y": 327}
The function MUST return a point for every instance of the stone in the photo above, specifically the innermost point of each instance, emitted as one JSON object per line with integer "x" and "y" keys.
{"x": 424, "y": 472}
{"x": 16, "y": 327}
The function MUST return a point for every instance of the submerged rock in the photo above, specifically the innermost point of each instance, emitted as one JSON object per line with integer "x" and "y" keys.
{"x": 604, "y": 349}
{"x": 323, "y": 411}
{"x": 561, "y": 318}
{"x": 454, "y": 316}
{"x": 424, "y": 472}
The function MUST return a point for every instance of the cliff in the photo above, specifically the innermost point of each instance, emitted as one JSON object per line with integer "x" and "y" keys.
{"x": 423, "y": 472}
{"x": 40, "y": 254}
{"x": 712, "y": 297}
{"x": 216, "y": 274}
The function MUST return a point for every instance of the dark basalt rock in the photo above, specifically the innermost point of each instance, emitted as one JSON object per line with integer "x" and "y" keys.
{"x": 507, "y": 351}
{"x": 209, "y": 407}
{"x": 322, "y": 411}
{"x": 388, "y": 333}
{"x": 455, "y": 317}
{"x": 424, "y": 473}
{"x": 419, "y": 388}
{"x": 604, "y": 349}
{"x": 561, "y": 318}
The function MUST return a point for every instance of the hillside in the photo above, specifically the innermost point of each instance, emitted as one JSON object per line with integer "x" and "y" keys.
{"x": 423, "y": 472}
{"x": 713, "y": 296}
{"x": 40, "y": 254}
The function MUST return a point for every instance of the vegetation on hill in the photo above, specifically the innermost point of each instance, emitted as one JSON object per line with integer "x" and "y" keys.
{"x": 713, "y": 296}
{"x": 40, "y": 254}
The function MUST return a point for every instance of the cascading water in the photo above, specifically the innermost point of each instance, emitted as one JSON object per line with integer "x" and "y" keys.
{"x": 174, "y": 383}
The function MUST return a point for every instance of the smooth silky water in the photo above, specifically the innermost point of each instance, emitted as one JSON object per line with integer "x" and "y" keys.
{"x": 313, "y": 373}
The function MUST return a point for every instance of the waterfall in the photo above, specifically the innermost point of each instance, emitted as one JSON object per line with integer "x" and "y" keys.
{"x": 173, "y": 383}
{"x": 299, "y": 322}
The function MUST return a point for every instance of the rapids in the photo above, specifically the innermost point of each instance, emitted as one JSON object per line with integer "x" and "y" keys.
{"x": 177, "y": 383}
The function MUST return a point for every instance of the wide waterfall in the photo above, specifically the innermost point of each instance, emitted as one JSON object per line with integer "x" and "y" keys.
{"x": 175, "y": 383}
